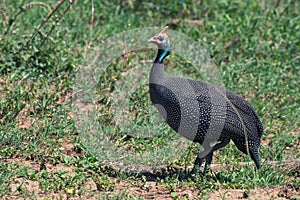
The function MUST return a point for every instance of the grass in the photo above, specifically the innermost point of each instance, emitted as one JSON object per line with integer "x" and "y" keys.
{"x": 255, "y": 46}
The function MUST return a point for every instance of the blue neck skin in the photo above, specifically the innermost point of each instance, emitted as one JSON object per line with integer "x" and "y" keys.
{"x": 161, "y": 55}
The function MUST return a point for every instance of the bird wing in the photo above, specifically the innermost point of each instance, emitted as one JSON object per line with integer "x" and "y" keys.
{"x": 203, "y": 93}
{"x": 244, "y": 106}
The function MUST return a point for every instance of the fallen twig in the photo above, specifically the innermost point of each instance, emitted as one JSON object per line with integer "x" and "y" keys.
{"x": 4, "y": 17}
{"x": 194, "y": 22}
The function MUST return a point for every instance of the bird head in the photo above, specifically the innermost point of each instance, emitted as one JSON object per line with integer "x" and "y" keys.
{"x": 161, "y": 40}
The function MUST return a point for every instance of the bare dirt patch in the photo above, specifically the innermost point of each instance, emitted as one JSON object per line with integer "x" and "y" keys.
{"x": 278, "y": 193}
{"x": 23, "y": 119}
{"x": 153, "y": 190}
{"x": 146, "y": 190}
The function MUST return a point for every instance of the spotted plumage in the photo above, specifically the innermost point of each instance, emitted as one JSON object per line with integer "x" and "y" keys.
{"x": 203, "y": 112}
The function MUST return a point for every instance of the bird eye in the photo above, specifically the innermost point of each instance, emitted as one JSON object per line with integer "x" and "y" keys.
{"x": 160, "y": 38}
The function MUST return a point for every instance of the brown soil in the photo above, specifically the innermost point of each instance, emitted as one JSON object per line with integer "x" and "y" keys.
{"x": 152, "y": 190}
{"x": 280, "y": 193}
{"x": 147, "y": 190}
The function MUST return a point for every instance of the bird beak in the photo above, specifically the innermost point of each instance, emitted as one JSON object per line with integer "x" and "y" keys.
{"x": 151, "y": 40}
{"x": 154, "y": 40}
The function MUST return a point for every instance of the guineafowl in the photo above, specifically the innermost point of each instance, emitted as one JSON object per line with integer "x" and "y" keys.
{"x": 203, "y": 112}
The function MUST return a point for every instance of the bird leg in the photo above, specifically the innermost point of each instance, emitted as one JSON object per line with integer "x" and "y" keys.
{"x": 197, "y": 165}
{"x": 208, "y": 154}
{"x": 199, "y": 159}
{"x": 208, "y": 162}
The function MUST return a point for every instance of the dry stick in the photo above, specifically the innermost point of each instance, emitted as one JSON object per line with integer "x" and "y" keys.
{"x": 186, "y": 21}
{"x": 10, "y": 22}
{"x": 22, "y": 9}
{"x": 45, "y": 21}
{"x": 91, "y": 29}
{"x": 92, "y": 17}
{"x": 31, "y": 4}
{"x": 58, "y": 19}
{"x": 286, "y": 8}
{"x": 277, "y": 3}
{"x": 4, "y": 17}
